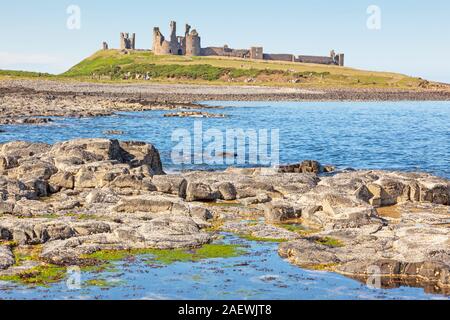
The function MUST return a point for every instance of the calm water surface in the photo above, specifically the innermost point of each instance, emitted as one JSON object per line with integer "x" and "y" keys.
{"x": 384, "y": 135}
{"x": 259, "y": 274}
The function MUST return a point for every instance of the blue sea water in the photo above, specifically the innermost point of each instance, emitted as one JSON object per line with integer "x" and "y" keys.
{"x": 258, "y": 274}
{"x": 411, "y": 136}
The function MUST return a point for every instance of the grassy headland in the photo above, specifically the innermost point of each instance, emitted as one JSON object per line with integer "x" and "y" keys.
{"x": 144, "y": 66}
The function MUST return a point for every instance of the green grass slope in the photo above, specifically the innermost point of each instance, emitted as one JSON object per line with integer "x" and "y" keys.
{"x": 144, "y": 66}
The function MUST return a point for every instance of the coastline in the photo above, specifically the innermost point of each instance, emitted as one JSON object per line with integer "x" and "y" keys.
{"x": 192, "y": 93}
{"x": 22, "y": 99}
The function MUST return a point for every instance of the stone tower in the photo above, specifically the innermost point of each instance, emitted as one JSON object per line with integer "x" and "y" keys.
{"x": 127, "y": 42}
{"x": 257, "y": 53}
{"x": 341, "y": 59}
{"x": 193, "y": 44}
{"x": 174, "y": 47}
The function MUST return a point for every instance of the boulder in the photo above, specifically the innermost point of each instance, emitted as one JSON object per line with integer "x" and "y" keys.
{"x": 22, "y": 149}
{"x": 279, "y": 212}
{"x": 139, "y": 154}
{"x": 197, "y": 191}
{"x": 61, "y": 180}
{"x": 227, "y": 191}
{"x": 308, "y": 166}
{"x": 135, "y": 154}
{"x": 171, "y": 184}
{"x": 6, "y": 257}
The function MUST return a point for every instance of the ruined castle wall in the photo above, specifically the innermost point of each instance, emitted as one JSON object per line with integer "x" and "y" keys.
{"x": 173, "y": 44}
{"x": 341, "y": 59}
{"x": 193, "y": 44}
{"x": 190, "y": 45}
{"x": 127, "y": 42}
{"x": 160, "y": 44}
{"x": 315, "y": 59}
{"x": 279, "y": 57}
{"x": 213, "y": 51}
{"x": 256, "y": 53}
{"x": 225, "y": 52}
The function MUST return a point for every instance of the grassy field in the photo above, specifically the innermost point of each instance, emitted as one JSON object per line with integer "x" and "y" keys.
{"x": 114, "y": 66}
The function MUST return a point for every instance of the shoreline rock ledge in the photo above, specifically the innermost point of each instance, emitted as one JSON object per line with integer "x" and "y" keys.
{"x": 78, "y": 197}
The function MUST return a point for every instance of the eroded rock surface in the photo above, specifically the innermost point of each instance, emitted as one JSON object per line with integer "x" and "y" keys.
{"x": 77, "y": 197}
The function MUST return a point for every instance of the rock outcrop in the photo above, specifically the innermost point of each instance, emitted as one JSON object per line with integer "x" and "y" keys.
{"x": 77, "y": 197}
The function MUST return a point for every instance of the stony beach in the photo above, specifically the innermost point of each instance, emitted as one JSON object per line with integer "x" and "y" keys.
{"x": 32, "y": 98}
{"x": 70, "y": 202}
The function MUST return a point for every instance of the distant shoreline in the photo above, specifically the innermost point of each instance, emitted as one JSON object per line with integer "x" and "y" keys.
{"x": 22, "y": 99}
{"x": 188, "y": 93}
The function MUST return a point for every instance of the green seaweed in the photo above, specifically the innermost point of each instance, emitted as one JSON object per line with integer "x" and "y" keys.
{"x": 169, "y": 256}
{"x": 322, "y": 266}
{"x": 297, "y": 228}
{"x": 39, "y": 276}
{"x": 209, "y": 251}
{"x": 330, "y": 242}
{"x": 102, "y": 283}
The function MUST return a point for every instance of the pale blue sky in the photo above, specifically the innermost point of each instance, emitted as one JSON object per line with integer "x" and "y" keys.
{"x": 414, "y": 38}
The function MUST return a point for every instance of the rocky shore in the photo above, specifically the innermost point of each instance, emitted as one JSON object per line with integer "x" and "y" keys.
{"x": 31, "y": 98}
{"x": 69, "y": 201}
{"x": 39, "y": 102}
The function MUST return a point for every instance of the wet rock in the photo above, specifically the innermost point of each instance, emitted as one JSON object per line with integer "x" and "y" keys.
{"x": 307, "y": 253}
{"x": 307, "y": 166}
{"x": 260, "y": 231}
{"x": 23, "y": 121}
{"x": 6, "y": 258}
{"x": 113, "y": 132}
{"x": 194, "y": 114}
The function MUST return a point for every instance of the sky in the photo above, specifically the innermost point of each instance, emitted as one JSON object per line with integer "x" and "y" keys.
{"x": 407, "y": 36}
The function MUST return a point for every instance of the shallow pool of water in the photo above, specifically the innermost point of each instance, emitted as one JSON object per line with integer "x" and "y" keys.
{"x": 258, "y": 274}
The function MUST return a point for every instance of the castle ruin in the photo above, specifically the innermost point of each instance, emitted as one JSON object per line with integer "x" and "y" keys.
{"x": 127, "y": 42}
{"x": 190, "y": 45}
